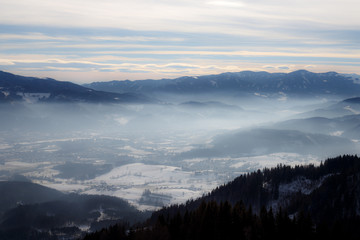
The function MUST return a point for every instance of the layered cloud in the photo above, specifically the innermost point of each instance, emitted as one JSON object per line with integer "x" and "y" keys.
{"x": 175, "y": 14}
{"x": 168, "y": 38}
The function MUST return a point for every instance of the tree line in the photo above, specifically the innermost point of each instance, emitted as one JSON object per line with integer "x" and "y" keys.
{"x": 242, "y": 208}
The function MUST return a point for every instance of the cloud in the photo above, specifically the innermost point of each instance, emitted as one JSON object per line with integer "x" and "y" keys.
{"x": 5, "y": 62}
{"x": 180, "y": 15}
{"x": 355, "y": 55}
{"x": 32, "y": 36}
{"x": 283, "y": 68}
{"x": 136, "y": 39}
{"x": 227, "y": 4}
{"x": 62, "y": 68}
{"x": 172, "y": 37}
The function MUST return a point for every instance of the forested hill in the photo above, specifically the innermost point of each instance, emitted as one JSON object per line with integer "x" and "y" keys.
{"x": 29, "y": 211}
{"x": 302, "y": 202}
{"x": 326, "y": 191}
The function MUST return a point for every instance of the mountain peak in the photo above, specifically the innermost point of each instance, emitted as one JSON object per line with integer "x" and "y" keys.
{"x": 301, "y": 71}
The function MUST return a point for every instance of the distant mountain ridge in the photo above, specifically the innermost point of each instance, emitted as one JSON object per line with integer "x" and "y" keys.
{"x": 19, "y": 88}
{"x": 300, "y": 82}
{"x": 31, "y": 89}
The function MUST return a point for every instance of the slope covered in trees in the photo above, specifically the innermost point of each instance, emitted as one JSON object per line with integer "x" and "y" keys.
{"x": 32, "y": 211}
{"x": 224, "y": 221}
{"x": 302, "y": 202}
{"x": 332, "y": 186}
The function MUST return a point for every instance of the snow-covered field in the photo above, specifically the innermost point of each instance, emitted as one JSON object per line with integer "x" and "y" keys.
{"x": 272, "y": 160}
{"x": 147, "y": 166}
{"x": 131, "y": 180}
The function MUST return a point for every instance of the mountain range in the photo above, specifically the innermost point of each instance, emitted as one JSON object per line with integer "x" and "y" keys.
{"x": 300, "y": 82}
{"x": 19, "y": 88}
{"x": 31, "y": 211}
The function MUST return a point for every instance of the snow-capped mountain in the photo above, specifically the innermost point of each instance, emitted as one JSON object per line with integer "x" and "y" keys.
{"x": 300, "y": 82}
{"x": 31, "y": 89}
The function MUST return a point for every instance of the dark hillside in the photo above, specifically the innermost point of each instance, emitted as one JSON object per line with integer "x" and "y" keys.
{"x": 18, "y": 88}
{"x": 289, "y": 187}
{"x": 20, "y": 193}
{"x": 32, "y": 211}
{"x": 302, "y": 202}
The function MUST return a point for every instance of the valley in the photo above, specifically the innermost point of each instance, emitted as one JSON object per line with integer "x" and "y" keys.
{"x": 124, "y": 151}
{"x": 169, "y": 145}
{"x": 104, "y": 165}
{"x": 179, "y": 120}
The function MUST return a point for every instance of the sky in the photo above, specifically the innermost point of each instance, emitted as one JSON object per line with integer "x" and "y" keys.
{"x": 89, "y": 40}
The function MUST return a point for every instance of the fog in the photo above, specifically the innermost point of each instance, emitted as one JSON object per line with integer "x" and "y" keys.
{"x": 181, "y": 146}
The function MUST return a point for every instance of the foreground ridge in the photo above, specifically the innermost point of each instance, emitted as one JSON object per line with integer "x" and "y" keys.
{"x": 328, "y": 211}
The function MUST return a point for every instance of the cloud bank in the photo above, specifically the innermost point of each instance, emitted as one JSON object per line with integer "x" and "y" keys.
{"x": 141, "y": 38}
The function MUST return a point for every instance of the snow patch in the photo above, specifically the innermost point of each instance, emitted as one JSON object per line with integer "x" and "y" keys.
{"x": 272, "y": 160}
{"x": 33, "y": 97}
{"x": 300, "y": 184}
{"x": 351, "y": 110}
{"x": 5, "y": 93}
{"x": 213, "y": 83}
{"x": 122, "y": 120}
{"x": 337, "y": 133}
{"x": 260, "y": 95}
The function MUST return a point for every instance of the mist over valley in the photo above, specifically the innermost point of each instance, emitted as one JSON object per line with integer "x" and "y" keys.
{"x": 154, "y": 143}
